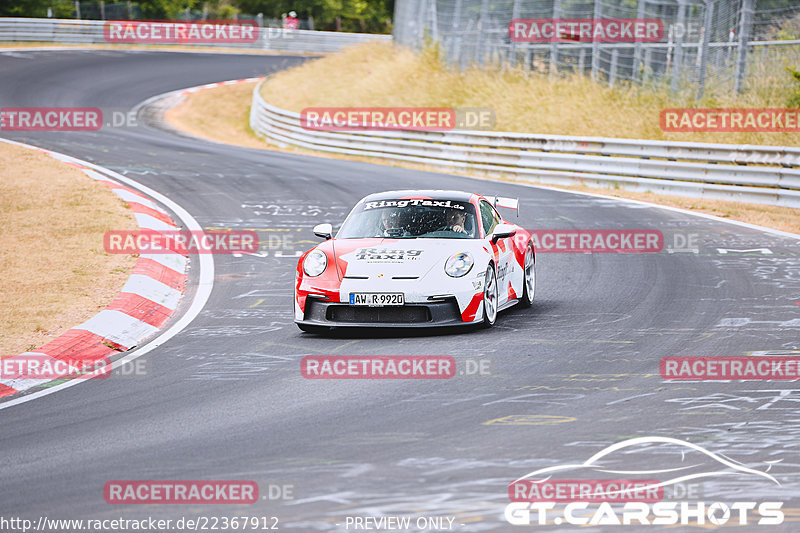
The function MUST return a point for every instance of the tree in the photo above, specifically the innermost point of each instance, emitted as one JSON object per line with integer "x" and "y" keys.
{"x": 37, "y": 8}
{"x": 352, "y": 15}
{"x": 166, "y": 9}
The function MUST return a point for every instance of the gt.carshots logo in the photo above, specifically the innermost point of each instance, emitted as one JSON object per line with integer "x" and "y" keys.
{"x": 171, "y": 32}
{"x": 542, "y": 497}
{"x": 180, "y": 492}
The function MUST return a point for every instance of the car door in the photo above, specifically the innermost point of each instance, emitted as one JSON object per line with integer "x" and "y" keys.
{"x": 501, "y": 250}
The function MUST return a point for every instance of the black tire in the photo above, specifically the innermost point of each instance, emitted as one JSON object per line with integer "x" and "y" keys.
{"x": 490, "y": 297}
{"x": 528, "y": 285}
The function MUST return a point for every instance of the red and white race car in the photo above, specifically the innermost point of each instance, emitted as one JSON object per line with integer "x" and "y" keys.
{"x": 416, "y": 258}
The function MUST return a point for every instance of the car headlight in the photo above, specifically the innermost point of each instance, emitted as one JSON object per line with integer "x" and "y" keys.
{"x": 315, "y": 263}
{"x": 459, "y": 265}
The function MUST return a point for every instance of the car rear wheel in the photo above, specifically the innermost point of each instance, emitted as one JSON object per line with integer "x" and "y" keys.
{"x": 489, "y": 297}
{"x": 528, "y": 278}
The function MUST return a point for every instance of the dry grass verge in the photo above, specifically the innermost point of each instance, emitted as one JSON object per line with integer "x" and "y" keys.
{"x": 55, "y": 271}
{"x": 222, "y": 114}
{"x": 379, "y": 74}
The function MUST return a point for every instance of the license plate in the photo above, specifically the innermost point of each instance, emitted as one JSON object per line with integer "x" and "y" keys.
{"x": 377, "y": 299}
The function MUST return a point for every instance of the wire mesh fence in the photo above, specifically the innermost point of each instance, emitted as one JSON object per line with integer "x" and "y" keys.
{"x": 700, "y": 44}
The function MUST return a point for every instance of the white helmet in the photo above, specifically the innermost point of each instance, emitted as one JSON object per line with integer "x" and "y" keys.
{"x": 292, "y": 14}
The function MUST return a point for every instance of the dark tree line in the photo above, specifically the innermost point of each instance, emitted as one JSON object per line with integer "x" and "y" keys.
{"x": 344, "y": 15}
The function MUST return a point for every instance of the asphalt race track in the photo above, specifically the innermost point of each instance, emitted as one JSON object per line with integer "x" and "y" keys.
{"x": 224, "y": 399}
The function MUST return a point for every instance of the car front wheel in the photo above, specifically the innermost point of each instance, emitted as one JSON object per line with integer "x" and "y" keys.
{"x": 528, "y": 278}
{"x": 489, "y": 297}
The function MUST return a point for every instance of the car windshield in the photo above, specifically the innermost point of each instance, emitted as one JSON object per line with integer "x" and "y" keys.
{"x": 411, "y": 219}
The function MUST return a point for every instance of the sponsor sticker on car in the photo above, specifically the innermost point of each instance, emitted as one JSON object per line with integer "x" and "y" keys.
{"x": 381, "y": 255}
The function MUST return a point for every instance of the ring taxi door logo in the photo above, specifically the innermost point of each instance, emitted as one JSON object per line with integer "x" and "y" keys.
{"x": 621, "y": 495}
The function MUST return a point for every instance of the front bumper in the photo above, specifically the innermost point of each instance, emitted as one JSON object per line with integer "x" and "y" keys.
{"x": 411, "y": 315}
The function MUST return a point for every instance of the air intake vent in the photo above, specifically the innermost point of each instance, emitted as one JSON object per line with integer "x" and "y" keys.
{"x": 376, "y": 315}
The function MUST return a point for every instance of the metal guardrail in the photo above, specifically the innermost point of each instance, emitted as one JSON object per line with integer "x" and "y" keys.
{"x": 759, "y": 174}
{"x": 68, "y": 31}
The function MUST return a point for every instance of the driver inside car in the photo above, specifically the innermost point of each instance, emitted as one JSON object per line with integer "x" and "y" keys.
{"x": 455, "y": 221}
{"x": 390, "y": 222}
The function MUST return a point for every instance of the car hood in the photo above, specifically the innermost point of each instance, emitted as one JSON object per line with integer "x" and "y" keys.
{"x": 407, "y": 258}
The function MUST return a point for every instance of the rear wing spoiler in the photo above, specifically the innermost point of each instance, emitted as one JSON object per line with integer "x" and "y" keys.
{"x": 502, "y": 201}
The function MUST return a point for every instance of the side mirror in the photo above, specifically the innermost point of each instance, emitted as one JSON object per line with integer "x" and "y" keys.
{"x": 324, "y": 231}
{"x": 501, "y": 231}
